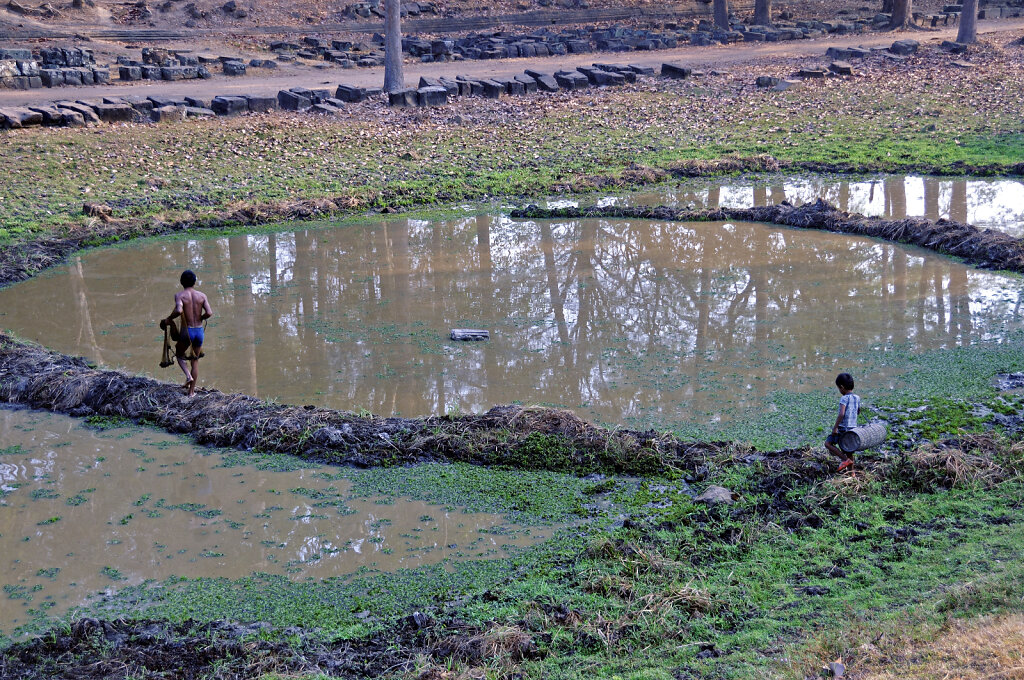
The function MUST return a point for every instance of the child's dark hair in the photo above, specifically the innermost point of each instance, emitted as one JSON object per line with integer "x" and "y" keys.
{"x": 188, "y": 278}
{"x": 844, "y": 380}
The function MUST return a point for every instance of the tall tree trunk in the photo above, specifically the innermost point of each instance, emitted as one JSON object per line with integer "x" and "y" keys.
{"x": 902, "y": 15}
{"x": 763, "y": 12}
{"x": 722, "y": 14}
{"x": 968, "y": 32}
{"x": 393, "y": 78}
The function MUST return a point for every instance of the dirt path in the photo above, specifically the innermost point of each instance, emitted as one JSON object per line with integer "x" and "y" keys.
{"x": 720, "y": 56}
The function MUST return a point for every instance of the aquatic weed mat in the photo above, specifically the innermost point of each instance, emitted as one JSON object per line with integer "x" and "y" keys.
{"x": 722, "y": 590}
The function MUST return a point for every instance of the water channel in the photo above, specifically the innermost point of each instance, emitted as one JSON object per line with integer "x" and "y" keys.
{"x": 86, "y": 512}
{"x": 624, "y": 321}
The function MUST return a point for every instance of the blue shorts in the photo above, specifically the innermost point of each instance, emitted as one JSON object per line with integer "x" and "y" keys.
{"x": 833, "y": 439}
{"x": 195, "y": 337}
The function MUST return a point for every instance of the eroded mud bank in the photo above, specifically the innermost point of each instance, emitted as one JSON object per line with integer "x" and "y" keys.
{"x": 530, "y": 438}
{"x": 984, "y": 248}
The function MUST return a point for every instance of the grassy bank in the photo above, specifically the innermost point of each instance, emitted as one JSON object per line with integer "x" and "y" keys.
{"x": 918, "y": 115}
{"x": 798, "y": 570}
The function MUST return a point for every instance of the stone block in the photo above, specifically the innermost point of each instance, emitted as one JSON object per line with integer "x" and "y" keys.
{"x": 198, "y": 102}
{"x": 129, "y": 73}
{"x": 52, "y": 77}
{"x": 234, "y": 68}
{"x": 229, "y": 106}
{"x": 512, "y": 86}
{"x": 403, "y": 98}
{"x": 179, "y": 72}
{"x": 784, "y": 85}
{"x": 87, "y": 113}
{"x": 546, "y": 83}
{"x": 161, "y": 100}
{"x": 72, "y": 118}
{"x": 529, "y": 84}
{"x": 492, "y": 89}
{"x": 323, "y": 109}
{"x": 641, "y": 70}
{"x": 350, "y": 93}
{"x": 904, "y": 47}
{"x": 165, "y": 114}
{"x": 141, "y": 104}
{"x": 51, "y": 115}
{"x": 199, "y": 112}
{"x": 572, "y": 80}
{"x": 151, "y": 72}
{"x": 292, "y": 101}
{"x": 842, "y": 68}
{"x": 431, "y": 96}
{"x": 946, "y": 46}
{"x": 261, "y": 104}
{"x": 115, "y": 113}
{"x": 15, "y": 54}
{"x": 451, "y": 86}
{"x": 766, "y": 81}
{"x": 675, "y": 71}
{"x": 101, "y": 76}
{"x": 18, "y": 117}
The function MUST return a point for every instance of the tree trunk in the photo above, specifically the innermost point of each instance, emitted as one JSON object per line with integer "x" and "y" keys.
{"x": 886, "y": 6}
{"x": 763, "y": 12}
{"x": 902, "y": 15}
{"x": 394, "y": 80}
{"x": 722, "y": 14}
{"x": 968, "y": 32}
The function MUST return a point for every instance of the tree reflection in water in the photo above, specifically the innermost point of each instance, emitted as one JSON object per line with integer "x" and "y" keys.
{"x": 624, "y": 321}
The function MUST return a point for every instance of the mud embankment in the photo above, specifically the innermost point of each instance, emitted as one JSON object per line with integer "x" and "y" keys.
{"x": 512, "y": 436}
{"x": 92, "y": 649}
{"x": 984, "y": 248}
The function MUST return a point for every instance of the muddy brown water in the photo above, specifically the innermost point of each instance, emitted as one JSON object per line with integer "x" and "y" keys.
{"x": 83, "y": 513}
{"x": 648, "y": 323}
{"x": 986, "y": 203}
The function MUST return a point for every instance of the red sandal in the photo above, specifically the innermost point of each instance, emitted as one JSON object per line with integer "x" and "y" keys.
{"x": 845, "y": 464}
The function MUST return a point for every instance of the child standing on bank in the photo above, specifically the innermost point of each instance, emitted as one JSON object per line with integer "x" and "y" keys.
{"x": 849, "y": 406}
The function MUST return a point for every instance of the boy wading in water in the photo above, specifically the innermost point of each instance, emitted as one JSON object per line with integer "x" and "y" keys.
{"x": 849, "y": 405}
{"x": 194, "y": 308}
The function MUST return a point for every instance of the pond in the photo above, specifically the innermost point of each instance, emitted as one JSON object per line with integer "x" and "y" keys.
{"x": 645, "y": 323}
{"x": 84, "y": 513}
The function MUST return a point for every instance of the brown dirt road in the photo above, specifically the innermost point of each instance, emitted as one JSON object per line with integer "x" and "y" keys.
{"x": 713, "y": 57}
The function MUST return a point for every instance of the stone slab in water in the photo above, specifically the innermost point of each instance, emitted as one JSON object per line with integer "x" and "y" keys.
{"x": 470, "y": 334}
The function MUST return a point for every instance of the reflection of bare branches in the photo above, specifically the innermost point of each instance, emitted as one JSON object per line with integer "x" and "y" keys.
{"x": 85, "y": 315}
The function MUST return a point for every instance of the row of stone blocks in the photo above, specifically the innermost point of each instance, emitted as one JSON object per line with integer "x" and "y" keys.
{"x": 132, "y": 110}
{"x": 438, "y": 91}
{"x": 147, "y": 72}
{"x": 27, "y": 76}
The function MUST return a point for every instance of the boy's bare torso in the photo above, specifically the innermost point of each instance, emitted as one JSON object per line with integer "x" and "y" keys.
{"x": 191, "y": 303}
